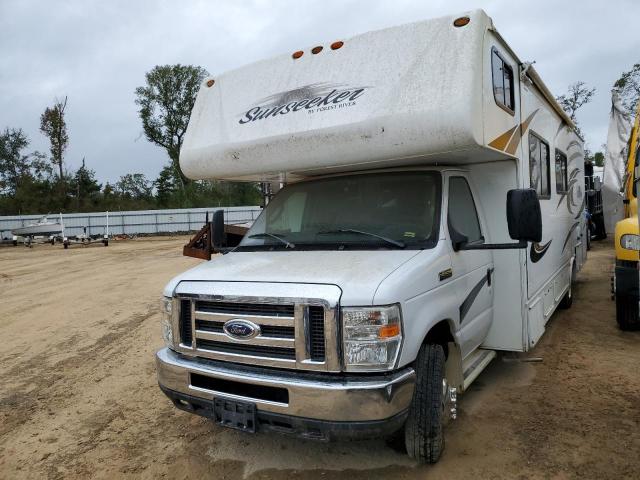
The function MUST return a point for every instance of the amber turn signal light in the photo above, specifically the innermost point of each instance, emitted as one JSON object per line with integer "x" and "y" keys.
{"x": 316, "y": 50}
{"x": 210, "y": 82}
{"x": 336, "y": 45}
{"x": 297, "y": 54}
{"x": 388, "y": 331}
{"x": 461, "y": 22}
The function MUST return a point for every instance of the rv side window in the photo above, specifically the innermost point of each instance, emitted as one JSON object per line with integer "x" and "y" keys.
{"x": 562, "y": 182}
{"x": 463, "y": 217}
{"x": 539, "y": 166}
{"x": 502, "y": 82}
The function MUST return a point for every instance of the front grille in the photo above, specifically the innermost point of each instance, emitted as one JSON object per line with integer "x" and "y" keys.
{"x": 186, "y": 335}
{"x": 260, "y": 309}
{"x": 316, "y": 333}
{"x": 271, "y": 331}
{"x": 291, "y": 335}
{"x": 247, "y": 349}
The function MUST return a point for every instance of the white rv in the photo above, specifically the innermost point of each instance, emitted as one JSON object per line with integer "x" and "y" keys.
{"x": 432, "y": 214}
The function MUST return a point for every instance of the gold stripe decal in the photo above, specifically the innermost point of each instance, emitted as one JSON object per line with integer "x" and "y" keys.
{"x": 501, "y": 142}
{"x": 515, "y": 141}
{"x": 508, "y": 142}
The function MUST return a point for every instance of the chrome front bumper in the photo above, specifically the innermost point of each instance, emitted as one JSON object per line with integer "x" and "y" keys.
{"x": 316, "y": 396}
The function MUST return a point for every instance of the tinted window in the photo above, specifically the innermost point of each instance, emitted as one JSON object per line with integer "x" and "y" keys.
{"x": 562, "y": 182}
{"x": 502, "y": 81}
{"x": 463, "y": 216}
{"x": 539, "y": 166}
{"x": 403, "y": 207}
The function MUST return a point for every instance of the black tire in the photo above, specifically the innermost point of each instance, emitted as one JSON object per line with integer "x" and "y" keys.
{"x": 600, "y": 232}
{"x": 627, "y": 313}
{"x": 66, "y": 245}
{"x": 423, "y": 431}
{"x": 106, "y": 243}
{"x": 567, "y": 300}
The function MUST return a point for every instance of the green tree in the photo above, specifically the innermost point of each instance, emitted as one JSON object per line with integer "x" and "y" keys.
{"x": 14, "y": 163}
{"x": 25, "y": 184}
{"x": 85, "y": 188}
{"x": 54, "y": 127}
{"x": 165, "y": 102}
{"x": 134, "y": 186}
{"x": 628, "y": 86}
{"x": 597, "y": 158}
{"x": 165, "y": 185}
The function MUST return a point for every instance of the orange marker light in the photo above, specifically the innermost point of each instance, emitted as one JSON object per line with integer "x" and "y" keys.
{"x": 210, "y": 82}
{"x": 297, "y": 54}
{"x": 316, "y": 50}
{"x": 336, "y": 45}
{"x": 461, "y": 22}
{"x": 389, "y": 331}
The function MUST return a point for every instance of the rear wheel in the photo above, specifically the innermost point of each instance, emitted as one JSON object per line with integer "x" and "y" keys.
{"x": 567, "y": 300}
{"x": 627, "y": 312}
{"x": 423, "y": 432}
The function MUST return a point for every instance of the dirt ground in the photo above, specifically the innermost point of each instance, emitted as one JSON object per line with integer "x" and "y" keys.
{"x": 79, "y": 399}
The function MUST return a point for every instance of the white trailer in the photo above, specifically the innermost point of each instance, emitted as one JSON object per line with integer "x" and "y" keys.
{"x": 384, "y": 276}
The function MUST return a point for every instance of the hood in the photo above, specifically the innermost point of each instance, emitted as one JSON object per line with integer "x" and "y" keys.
{"x": 357, "y": 273}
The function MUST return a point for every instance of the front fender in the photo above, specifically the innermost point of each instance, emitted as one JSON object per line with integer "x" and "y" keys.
{"x": 422, "y": 313}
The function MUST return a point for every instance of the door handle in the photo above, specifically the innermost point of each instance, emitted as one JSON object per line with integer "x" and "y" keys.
{"x": 489, "y": 272}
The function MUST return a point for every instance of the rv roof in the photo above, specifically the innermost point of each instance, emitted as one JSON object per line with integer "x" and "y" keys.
{"x": 383, "y": 98}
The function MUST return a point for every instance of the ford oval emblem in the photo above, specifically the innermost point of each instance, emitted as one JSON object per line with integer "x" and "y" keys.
{"x": 241, "y": 329}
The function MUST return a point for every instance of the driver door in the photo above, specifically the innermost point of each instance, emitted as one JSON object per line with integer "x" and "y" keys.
{"x": 472, "y": 269}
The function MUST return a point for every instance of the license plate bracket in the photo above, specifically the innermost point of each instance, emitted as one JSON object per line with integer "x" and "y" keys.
{"x": 234, "y": 414}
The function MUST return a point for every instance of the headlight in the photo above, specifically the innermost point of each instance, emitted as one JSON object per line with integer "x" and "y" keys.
{"x": 630, "y": 241}
{"x": 371, "y": 337}
{"x": 167, "y": 322}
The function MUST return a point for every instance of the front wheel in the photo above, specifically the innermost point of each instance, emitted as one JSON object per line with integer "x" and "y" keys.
{"x": 423, "y": 431}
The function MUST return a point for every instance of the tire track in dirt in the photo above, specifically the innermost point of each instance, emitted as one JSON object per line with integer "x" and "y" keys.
{"x": 22, "y": 383}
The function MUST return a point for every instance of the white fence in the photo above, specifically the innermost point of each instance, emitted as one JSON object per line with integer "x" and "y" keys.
{"x": 133, "y": 222}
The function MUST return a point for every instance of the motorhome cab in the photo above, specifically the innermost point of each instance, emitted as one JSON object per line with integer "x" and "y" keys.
{"x": 432, "y": 214}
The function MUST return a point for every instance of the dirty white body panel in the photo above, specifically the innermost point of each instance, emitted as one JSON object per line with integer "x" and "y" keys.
{"x": 412, "y": 97}
{"x": 375, "y": 117}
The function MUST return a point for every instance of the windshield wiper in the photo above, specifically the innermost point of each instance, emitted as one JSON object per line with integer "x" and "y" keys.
{"x": 273, "y": 235}
{"x": 397, "y": 243}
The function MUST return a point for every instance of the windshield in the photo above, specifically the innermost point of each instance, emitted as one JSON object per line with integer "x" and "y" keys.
{"x": 366, "y": 211}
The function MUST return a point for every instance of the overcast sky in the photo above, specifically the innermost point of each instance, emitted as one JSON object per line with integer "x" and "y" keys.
{"x": 97, "y": 53}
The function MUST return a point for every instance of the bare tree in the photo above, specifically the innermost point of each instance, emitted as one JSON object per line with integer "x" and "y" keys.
{"x": 54, "y": 126}
{"x": 577, "y": 95}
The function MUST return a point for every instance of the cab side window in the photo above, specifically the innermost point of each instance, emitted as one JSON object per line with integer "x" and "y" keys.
{"x": 463, "y": 216}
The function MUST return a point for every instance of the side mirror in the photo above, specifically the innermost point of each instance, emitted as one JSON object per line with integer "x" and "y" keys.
{"x": 523, "y": 215}
{"x": 218, "y": 237}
